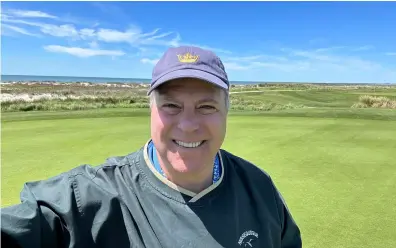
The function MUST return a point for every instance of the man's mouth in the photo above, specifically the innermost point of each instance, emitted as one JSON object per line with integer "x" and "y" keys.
{"x": 188, "y": 145}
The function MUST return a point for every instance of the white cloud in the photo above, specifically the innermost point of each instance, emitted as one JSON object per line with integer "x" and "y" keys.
{"x": 83, "y": 52}
{"x": 162, "y": 42}
{"x": 65, "y": 30}
{"x": 149, "y": 61}
{"x": 313, "y": 55}
{"x": 214, "y": 49}
{"x": 110, "y": 35}
{"x": 328, "y": 49}
{"x": 29, "y": 14}
{"x": 7, "y": 19}
{"x": 291, "y": 66}
{"x": 18, "y": 30}
{"x": 243, "y": 58}
{"x": 364, "y": 48}
{"x": 235, "y": 66}
{"x": 87, "y": 33}
{"x": 336, "y": 61}
{"x": 155, "y": 36}
{"x": 94, "y": 44}
{"x": 254, "y": 58}
{"x": 323, "y": 61}
{"x": 134, "y": 35}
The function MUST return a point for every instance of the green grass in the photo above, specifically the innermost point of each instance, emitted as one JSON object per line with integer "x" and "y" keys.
{"x": 334, "y": 164}
{"x": 310, "y": 98}
{"x": 337, "y": 174}
{"x": 264, "y": 97}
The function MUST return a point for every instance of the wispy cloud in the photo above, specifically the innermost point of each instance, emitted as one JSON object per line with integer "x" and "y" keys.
{"x": 364, "y": 48}
{"x": 93, "y": 44}
{"x": 83, "y": 52}
{"x": 329, "y": 49}
{"x": 149, "y": 61}
{"x": 29, "y": 14}
{"x": 214, "y": 49}
{"x": 336, "y": 61}
{"x": 254, "y": 58}
{"x": 19, "y": 30}
{"x": 243, "y": 63}
{"x": 65, "y": 30}
{"x": 133, "y": 35}
{"x": 233, "y": 66}
{"x": 110, "y": 35}
{"x": 332, "y": 60}
{"x": 309, "y": 54}
{"x": 150, "y": 43}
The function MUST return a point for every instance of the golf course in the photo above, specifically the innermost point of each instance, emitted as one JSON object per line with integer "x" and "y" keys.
{"x": 330, "y": 149}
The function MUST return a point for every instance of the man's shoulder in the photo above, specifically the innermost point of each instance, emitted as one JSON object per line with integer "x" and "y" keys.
{"x": 110, "y": 163}
{"x": 244, "y": 166}
{"x": 87, "y": 173}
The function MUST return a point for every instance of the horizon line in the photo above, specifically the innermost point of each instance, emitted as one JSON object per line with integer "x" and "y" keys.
{"x": 231, "y": 81}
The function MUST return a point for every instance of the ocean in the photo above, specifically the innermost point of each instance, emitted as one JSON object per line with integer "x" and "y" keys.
{"x": 67, "y": 79}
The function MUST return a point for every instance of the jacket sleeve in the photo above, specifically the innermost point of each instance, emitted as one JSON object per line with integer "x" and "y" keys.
{"x": 291, "y": 234}
{"x": 46, "y": 217}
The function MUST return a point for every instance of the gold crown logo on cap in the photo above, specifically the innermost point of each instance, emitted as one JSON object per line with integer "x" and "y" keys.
{"x": 187, "y": 58}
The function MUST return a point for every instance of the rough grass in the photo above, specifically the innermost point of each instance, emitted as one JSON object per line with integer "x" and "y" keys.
{"x": 335, "y": 172}
{"x": 261, "y": 97}
{"x": 368, "y": 101}
{"x": 75, "y": 103}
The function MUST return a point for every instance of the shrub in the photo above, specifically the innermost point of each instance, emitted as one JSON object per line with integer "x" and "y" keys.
{"x": 367, "y": 101}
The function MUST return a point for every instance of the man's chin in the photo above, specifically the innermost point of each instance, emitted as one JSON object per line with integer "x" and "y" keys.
{"x": 187, "y": 165}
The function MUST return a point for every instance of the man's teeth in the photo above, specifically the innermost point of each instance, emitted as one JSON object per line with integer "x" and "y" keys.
{"x": 188, "y": 145}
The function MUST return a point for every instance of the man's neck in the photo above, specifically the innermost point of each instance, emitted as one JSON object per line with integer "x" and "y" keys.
{"x": 194, "y": 182}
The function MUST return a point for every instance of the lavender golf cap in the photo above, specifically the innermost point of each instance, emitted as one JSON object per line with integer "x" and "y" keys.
{"x": 189, "y": 62}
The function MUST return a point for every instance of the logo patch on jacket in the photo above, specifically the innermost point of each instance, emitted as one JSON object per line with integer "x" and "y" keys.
{"x": 248, "y": 239}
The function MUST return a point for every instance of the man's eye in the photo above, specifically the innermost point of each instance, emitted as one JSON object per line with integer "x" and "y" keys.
{"x": 207, "y": 107}
{"x": 170, "y": 105}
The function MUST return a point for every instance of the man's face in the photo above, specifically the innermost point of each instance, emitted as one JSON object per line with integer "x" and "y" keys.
{"x": 188, "y": 112}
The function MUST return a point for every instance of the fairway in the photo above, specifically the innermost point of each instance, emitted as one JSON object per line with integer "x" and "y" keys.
{"x": 337, "y": 174}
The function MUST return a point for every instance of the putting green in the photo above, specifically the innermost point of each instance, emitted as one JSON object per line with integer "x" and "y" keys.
{"x": 336, "y": 174}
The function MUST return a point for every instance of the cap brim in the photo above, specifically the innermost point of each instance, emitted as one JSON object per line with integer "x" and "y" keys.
{"x": 189, "y": 73}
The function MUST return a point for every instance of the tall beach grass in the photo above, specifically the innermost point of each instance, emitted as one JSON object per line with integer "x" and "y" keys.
{"x": 50, "y": 96}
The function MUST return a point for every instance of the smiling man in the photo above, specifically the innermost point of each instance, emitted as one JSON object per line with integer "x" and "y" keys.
{"x": 188, "y": 125}
{"x": 179, "y": 190}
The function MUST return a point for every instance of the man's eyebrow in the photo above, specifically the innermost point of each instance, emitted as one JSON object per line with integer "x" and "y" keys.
{"x": 167, "y": 97}
{"x": 208, "y": 100}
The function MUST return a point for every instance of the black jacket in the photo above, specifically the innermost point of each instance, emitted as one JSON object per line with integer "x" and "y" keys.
{"x": 123, "y": 203}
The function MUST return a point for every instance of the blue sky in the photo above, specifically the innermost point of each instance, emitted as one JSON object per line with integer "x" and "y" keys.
{"x": 257, "y": 41}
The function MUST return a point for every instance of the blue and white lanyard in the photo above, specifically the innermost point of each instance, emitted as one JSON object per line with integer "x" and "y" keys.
{"x": 153, "y": 157}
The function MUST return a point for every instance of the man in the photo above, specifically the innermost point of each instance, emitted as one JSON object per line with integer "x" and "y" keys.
{"x": 179, "y": 190}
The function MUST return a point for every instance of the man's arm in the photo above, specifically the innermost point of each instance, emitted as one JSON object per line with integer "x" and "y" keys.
{"x": 291, "y": 234}
{"x": 46, "y": 217}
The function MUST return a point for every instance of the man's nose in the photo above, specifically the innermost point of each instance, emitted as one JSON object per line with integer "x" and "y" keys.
{"x": 188, "y": 122}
